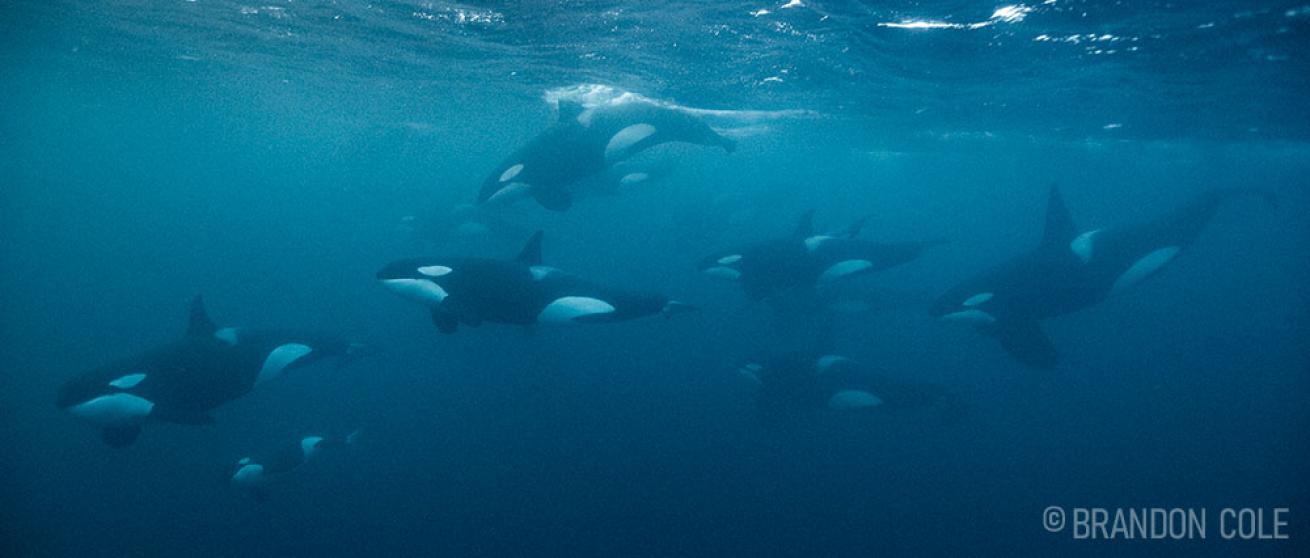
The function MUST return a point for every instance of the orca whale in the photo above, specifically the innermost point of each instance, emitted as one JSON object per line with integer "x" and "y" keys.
{"x": 183, "y": 381}
{"x": 622, "y": 178}
{"x": 252, "y": 476}
{"x": 1071, "y": 270}
{"x": 470, "y": 221}
{"x": 795, "y": 387}
{"x": 470, "y": 290}
{"x": 586, "y": 141}
{"x": 806, "y": 260}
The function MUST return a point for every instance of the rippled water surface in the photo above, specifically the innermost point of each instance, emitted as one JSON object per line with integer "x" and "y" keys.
{"x": 274, "y": 155}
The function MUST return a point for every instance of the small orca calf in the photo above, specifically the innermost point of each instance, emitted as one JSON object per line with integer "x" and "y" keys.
{"x": 586, "y": 141}
{"x": 469, "y": 291}
{"x": 806, "y": 260}
{"x": 181, "y": 382}
{"x": 252, "y": 476}
{"x": 792, "y": 388}
{"x": 1071, "y": 270}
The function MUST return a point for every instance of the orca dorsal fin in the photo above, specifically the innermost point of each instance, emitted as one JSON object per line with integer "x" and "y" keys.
{"x": 853, "y": 230}
{"x": 531, "y": 252}
{"x": 569, "y": 110}
{"x": 1059, "y": 225}
{"x": 805, "y": 226}
{"x": 199, "y": 323}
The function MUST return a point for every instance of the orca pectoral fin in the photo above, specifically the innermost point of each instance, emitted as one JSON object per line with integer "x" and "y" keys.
{"x": 445, "y": 321}
{"x": 554, "y": 199}
{"x": 1025, "y": 341}
{"x": 120, "y": 436}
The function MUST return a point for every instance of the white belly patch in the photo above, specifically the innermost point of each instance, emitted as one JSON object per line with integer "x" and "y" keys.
{"x": 976, "y": 317}
{"x": 250, "y": 474}
{"x": 977, "y": 299}
{"x": 849, "y": 400}
{"x": 118, "y": 409}
{"x": 509, "y": 193}
{"x": 309, "y": 446}
{"x": 1082, "y": 244}
{"x": 227, "y": 335}
{"x": 511, "y": 172}
{"x": 1144, "y": 267}
{"x": 420, "y": 290}
{"x": 844, "y": 268}
{"x": 129, "y": 381}
{"x": 279, "y": 359}
{"x": 723, "y": 272}
{"x": 569, "y": 308}
{"x": 620, "y": 143}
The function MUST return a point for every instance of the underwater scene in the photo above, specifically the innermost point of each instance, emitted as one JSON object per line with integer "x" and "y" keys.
{"x": 633, "y": 278}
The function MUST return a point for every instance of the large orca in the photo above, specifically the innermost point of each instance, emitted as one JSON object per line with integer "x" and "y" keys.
{"x": 793, "y": 388}
{"x": 252, "y": 476}
{"x": 806, "y": 260}
{"x": 1071, "y": 270}
{"x": 584, "y": 142}
{"x": 469, "y": 291}
{"x": 183, "y": 381}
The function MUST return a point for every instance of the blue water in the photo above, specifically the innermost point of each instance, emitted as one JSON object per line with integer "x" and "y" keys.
{"x": 274, "y": 155}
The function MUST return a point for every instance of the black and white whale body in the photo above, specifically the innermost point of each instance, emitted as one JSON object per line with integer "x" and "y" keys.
{"x": 183, "y": 381}
{"x": 806, "y": 260}
{"x": 1072, "y": 270}
{"x": 584, "y": 142}
{"x": 252, "y": 476}
{"x": 469, "y": 291}
{"x": 793, "y": 388}
{"x": 623, "y": 178}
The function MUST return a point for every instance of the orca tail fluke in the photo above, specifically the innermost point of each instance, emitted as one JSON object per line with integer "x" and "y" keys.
{"x": 120, "y": 436}
{"x": 1026, "y": 342}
